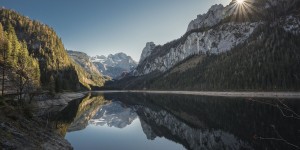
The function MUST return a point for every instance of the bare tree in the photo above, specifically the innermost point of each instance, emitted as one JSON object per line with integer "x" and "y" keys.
{"x": 287, "y": 112}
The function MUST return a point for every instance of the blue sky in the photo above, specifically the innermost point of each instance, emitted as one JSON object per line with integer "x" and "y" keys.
{"x": 102, "y": 27}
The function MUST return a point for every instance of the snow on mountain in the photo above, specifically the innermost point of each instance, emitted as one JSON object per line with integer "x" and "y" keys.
{"x": 217, "y": 40}
{"x": 114, "y": 65}
{"x": 114, "y": 115}
{"x": 84, "y": 61}
{"x": 214, "y": 33}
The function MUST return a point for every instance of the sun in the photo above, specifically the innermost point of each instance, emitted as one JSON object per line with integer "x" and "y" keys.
{"x": 242, "y": 10}
{"x": 240, "y": 1}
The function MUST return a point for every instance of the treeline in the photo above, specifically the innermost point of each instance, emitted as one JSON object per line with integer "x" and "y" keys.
{"x": 268, "y": 60}
{"x": 57, "y": 71}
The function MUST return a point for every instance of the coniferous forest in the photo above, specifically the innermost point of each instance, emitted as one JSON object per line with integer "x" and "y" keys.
{"x": 230, "y": 81}
{"x": 36, "y": 55}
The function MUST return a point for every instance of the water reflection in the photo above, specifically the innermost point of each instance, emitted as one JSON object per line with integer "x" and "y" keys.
{"x": 114, "y": 114}
{"x": 161, "y": 121}
{"x": 77, "y": 114}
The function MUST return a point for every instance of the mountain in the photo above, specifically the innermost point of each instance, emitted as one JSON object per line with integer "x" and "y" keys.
{"x": 114, "y": 115}
{"x": 153, "y": 122}
{"x": 225, "y": 50}
{"x": 75, "y": 116}
{"x": 57, "y": 70}
{"x": 84, "y": 61}
{"x": 114, "y": 65}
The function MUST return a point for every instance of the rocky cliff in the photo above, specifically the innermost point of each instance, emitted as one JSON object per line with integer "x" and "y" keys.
{"x": 217, "y": 31}
{"x": 214, "y": 15}
{"x": 84, "y": 61}
{"x": 217, "y": 40}
{"x": 114, "y": 65}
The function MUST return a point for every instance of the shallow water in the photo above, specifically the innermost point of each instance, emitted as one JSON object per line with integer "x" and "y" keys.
{"x": 175, "y": 122}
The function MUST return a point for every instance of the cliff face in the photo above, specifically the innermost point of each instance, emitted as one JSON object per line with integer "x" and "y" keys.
{"x": 204, "y": 34}
{"x": 114, "y": 65}
{"x": 219, "y": 30}
{"x": 217, "y": 40}
{"x": 85, "y": 62}
{"x": 214, "y": 15}
{"x": 147, "y": 51}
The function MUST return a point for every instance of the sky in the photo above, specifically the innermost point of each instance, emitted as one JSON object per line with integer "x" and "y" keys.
{"x": 102, "y": 27}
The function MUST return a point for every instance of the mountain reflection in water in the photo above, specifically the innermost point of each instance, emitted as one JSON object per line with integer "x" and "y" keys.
{"x": 114, "y": 115}
{"x": 176, "y": 122}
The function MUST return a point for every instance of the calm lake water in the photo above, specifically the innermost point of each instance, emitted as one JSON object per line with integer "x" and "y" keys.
{"x": 176, "y": 122}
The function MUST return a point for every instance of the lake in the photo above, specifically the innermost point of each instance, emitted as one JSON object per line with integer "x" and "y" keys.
{"x": 139, "y": 121}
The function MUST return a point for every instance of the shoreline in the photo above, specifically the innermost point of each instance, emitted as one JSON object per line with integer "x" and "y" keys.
{"x": 45, "y": 105}
{"x": 289, "y": 95}
{"x": 59, "y": 99}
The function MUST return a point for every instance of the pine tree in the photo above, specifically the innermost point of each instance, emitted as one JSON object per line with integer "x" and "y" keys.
{"x": 4, "y": 54}
{"x": 21, "y": 66}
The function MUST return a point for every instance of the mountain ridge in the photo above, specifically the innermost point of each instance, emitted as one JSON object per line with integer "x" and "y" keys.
{"x": 212, "y": 34}
{"x": 57, "y": 71}
{"x": 114, "y": 65}
{"x": 208, "y": 53}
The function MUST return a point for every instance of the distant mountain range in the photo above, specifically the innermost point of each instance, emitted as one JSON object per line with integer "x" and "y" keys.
{"x": 56, "y": 71}
{"x": 227, "y": 48}
{"x": 114, "y": 65}
{"x": 84, "y": 61}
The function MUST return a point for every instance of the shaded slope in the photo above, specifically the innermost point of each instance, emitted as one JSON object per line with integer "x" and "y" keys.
{"x": 268, "y": 60}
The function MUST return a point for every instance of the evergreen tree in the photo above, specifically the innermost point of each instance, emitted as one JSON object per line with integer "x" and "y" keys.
{"x": 3, "y": 49}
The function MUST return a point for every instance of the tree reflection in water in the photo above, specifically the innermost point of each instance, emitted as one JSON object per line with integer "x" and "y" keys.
{"x": 197, "y": 122}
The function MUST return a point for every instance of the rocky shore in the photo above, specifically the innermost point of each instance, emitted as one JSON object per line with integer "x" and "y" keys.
{"x": 25, "y": 128}
{"x": 45, "y": 104}
{"x": 29, "y": 133}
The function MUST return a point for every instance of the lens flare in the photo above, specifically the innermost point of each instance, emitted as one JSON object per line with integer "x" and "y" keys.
{"x": 242, "y": 10}
{"x": 240, "y": 1}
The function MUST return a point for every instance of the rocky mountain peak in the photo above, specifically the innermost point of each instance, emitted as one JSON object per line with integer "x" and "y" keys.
{"x": 99, "y": 57}
{"x": 214, "y": 15}
{"x": 114, "y": 65}
{"x": 118, "y": 57}
{"x": 215, "y": 7}
{"x": 147, "y": 50}
{"x": 84, "y": 61}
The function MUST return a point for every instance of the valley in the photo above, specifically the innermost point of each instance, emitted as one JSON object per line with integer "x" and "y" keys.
{"x": 231, "y": 80}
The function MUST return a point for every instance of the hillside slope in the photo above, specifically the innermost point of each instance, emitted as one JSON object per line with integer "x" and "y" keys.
{"x": 44, "y": 45}
{"x": 254, "y": 53}
{"x": 83, "y": 63}
{"x": 265, "y": 63}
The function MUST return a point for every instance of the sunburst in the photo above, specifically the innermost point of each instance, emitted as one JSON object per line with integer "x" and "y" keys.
{"x": 240, "y": 2}
{"x": 242, "y": 9}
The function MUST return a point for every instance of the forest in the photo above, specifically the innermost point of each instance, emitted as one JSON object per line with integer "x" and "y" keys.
{"x": 267, "y": 61}
{"x": 32, "y": 52}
